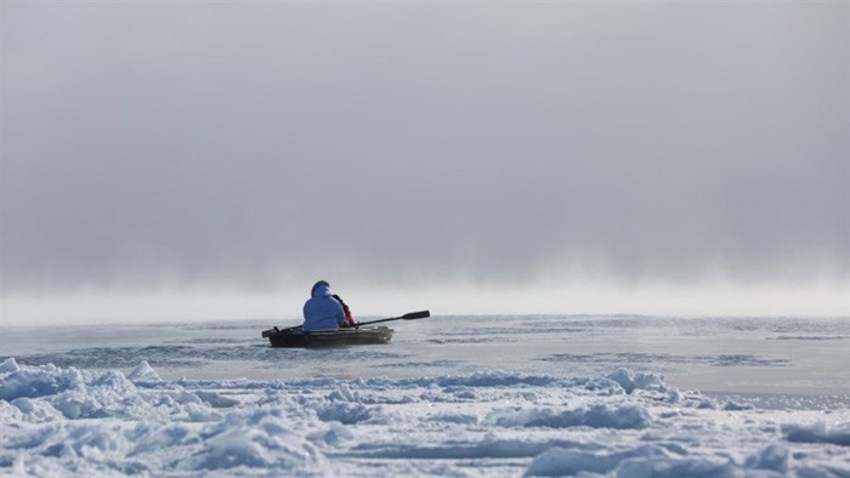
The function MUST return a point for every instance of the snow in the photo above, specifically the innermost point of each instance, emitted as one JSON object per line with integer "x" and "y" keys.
{"x": 837, "y": 434}
{"x": 65, "y": 421}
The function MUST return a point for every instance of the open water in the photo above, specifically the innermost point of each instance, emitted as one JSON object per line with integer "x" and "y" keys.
{"x": 796, "y": 356}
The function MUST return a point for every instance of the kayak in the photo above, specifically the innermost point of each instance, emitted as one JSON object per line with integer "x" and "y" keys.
{"x": 357, "y": 335}
{"x": 298, "y": 337}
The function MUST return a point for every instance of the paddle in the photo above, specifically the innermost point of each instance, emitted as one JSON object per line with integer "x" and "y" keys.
{"x": 409, "y": 316}
{"x": 422, "y": 314}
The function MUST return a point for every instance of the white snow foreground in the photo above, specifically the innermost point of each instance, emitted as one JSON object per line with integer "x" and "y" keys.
{"x": 70, "y": 422}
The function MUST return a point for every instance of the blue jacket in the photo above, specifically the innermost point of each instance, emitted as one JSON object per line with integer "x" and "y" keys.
{"x": 323, "y": 311}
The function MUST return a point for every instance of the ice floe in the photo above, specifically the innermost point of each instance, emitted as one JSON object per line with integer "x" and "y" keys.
{"x": 70, "y": 422}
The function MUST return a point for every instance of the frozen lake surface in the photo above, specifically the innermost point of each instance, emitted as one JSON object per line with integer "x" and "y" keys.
{"x": 450, "y": 396}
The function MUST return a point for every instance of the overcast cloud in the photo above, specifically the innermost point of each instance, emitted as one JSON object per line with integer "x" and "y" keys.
{"x": 262, "y": 144}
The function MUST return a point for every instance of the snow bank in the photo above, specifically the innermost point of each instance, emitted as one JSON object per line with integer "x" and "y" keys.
{"x": 69, "y": 422}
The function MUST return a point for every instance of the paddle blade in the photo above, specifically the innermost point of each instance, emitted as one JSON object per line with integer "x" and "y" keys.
{"x": 422, "y": 314}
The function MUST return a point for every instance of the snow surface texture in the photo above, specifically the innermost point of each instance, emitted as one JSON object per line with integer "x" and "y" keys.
{"x": 70, "y": 422}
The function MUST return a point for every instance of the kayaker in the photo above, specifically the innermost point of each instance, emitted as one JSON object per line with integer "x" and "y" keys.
{"x": 349, "y": 319}
{"x": 322, "y": 311}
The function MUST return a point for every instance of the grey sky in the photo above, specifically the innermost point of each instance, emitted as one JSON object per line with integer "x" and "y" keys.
{"x": 256, "y": 144}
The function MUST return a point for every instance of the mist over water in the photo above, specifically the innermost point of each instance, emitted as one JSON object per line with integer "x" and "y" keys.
{"x": 187, "y": 161}
{"x": 284, "y": 304}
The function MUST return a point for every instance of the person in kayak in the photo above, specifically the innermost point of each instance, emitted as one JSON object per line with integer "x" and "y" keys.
{"x": 322, "y": 311}
{"x": 349, "y": 319}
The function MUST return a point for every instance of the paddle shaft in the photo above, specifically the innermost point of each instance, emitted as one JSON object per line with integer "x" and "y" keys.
{"x": 411, "y": 316}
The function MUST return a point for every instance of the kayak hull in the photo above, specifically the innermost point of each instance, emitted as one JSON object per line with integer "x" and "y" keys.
{"x": 298, "y": 337}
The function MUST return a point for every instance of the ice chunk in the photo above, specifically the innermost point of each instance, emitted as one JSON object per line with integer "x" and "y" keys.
{"x": 144, "y": 373}
{"x": 344, "y": 412}
{"x": 216, "y": 400}
{"x": 257, "y": 439}
{"x": 641, "y": 462}
{"x": 631, "y": 381}
{"x": 733, "y": 406}
{"x": 626, "y": 416}
{"x": 774, "y": 457}
{"x": 32, "y": 384}
{"x": 838, "y": 434}
{"x": 563, "y": 462}
{"x": 9, "y": 365}
{"x": 666, "y": 467}
{"x": 335, "y": 435}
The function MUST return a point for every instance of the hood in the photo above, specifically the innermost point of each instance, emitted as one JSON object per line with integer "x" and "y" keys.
{"x": 321, "y": 289}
